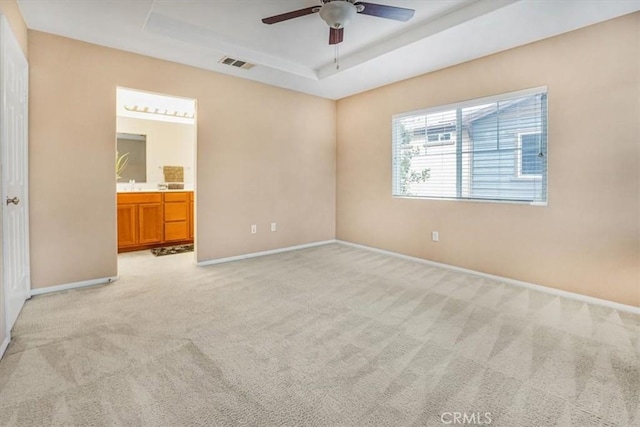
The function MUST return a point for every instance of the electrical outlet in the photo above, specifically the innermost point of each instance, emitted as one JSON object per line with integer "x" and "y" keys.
{"x": 435, "y": 236}
{"x": 274, "y": 227}
{"x": 254, "y": 229}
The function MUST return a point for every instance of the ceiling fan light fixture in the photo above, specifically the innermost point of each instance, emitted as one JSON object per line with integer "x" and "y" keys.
{"x": 337, "y": 14}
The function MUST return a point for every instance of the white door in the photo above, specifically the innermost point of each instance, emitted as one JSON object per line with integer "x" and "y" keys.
{"x": 14, "y": 77}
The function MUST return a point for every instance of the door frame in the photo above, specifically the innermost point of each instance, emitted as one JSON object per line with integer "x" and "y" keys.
{"x": 195, "y": 162}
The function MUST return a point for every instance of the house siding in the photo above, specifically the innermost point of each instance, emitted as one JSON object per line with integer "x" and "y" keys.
{"x": 494, "y": 171}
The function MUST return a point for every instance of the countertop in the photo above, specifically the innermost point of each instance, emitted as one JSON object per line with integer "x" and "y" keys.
{"x": 151, "y": 190}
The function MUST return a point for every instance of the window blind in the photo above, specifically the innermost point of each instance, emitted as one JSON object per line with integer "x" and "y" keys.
{"x": 486, "y": 149}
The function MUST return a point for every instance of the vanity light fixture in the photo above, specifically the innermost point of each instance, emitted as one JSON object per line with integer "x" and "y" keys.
{"x": 162, "y": 112}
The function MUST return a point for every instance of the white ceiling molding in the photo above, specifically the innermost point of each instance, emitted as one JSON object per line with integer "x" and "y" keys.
{"x": 295, "y": 54}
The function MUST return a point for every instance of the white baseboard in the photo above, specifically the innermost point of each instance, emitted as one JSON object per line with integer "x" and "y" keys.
{"x": 541, "y": 288}
{"x": 264, "y": 253}
{"x": 4, "y": 345}
{"x": 74, "y": 285}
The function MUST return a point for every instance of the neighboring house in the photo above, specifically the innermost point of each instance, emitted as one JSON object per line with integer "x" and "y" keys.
{"x": 432, "y": 145}
{"x": 513, "y": 164}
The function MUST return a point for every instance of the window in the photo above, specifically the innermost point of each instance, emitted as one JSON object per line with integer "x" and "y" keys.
{"x": 487, "y": 149}
{"x": 434, "y": 138}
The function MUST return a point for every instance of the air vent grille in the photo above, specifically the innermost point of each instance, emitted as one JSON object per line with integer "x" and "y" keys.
{"x": 236, "y": 63}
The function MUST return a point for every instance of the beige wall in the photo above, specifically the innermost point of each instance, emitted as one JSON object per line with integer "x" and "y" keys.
{"x": 9, "y": 8}
{"x": 587, "y": 240}
{"x": 264, "y": 155}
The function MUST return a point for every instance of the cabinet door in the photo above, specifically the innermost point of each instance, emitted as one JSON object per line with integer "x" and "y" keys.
{"x": 127, "y": 225}
{"x": 150, "y": 223}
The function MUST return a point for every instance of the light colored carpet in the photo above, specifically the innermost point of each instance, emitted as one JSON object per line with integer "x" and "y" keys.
{"x": 326, "y": 336}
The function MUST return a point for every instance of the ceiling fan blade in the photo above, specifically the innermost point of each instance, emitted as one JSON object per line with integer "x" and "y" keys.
{"x": 336, "y": 35}
{"x": 389, "y": 12}
{"x": 290, "y": 15}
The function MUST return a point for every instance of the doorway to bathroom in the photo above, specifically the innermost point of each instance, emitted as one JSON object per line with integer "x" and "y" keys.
{"x": 155, "y": 176}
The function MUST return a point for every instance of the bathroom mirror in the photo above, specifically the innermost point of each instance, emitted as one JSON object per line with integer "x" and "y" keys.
{"x": 131, "y": 161}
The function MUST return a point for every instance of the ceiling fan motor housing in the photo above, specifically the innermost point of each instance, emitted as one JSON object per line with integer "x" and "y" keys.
{"x": 337, "y": 14}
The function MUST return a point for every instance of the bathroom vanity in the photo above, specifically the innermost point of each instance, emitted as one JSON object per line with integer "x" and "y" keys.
{"x": 150, "y": 219}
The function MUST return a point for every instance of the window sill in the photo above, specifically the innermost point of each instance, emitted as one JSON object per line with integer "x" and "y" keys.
{"x": 453, "y": 199}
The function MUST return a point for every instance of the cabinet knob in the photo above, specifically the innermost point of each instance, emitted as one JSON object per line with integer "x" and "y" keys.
{"x": 15, "y": 201}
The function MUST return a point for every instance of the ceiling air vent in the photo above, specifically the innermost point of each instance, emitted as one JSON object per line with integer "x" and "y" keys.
{"x": 236, "y": 63}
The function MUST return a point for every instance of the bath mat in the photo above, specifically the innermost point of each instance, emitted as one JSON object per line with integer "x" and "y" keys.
{"x": 170, "y": 250}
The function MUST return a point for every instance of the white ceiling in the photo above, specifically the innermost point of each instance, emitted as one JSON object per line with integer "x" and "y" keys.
{"x": 295, "y": 54}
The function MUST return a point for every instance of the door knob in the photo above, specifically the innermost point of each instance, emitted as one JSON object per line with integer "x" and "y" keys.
{"x": 15, "y": 201}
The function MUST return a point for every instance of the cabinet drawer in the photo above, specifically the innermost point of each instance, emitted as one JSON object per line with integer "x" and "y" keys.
{"x": 174, "y": 231}
{"x": 176, "y": 211}
{"x": 176, "y": 197}
{"x": 132, "y": 198}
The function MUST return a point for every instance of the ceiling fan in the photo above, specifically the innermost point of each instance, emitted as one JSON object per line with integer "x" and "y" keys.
{"x": 338, "y": 13}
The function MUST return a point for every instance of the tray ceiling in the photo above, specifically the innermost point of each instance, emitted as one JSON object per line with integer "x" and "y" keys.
{"x": 296, "y": 55}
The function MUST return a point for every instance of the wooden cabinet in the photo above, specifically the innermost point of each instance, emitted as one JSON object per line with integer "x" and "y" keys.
{"x": 152, "y": 219}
